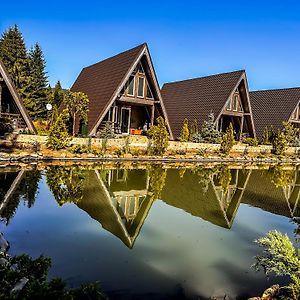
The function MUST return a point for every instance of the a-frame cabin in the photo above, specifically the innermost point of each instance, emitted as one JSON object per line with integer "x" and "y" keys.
{"x": 123, "y": 90}
{"x": 12, "y": 109}
{"x": 272, "y": 107}
{"x": 225, "y": 95}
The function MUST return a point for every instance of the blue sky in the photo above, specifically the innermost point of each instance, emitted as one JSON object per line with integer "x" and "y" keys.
{"x": 186, "y": 38}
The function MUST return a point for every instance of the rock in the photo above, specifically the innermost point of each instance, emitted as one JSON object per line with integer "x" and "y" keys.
{"x": 271, "y": 293}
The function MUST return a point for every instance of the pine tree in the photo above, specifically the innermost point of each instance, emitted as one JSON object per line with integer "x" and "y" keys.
{"x": 194, "y": 129}
{"x": 209, "y": 133}
{"x": 38, "y": 91}
{"x": 185, "y": 132}
{"x": 227, "y": 140}
{"x": 58, "y": 137}
{"x": 58, "y": 94}
{"x": 159, "y": 136}
{"x": 14, "y": 55}
{"x": 266, "y": 138}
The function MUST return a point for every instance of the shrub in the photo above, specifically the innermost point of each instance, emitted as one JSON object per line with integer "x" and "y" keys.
{"x": 227, "y": 140}
{"x": 268, "y": 135}
{"x": 126, "y": 147}
{"x": 159, "y": 137}
{"x": 279, "y": 144}
{"x": 107, "y": 132}
{"x": 58, "y": 137}
{"x": 280, "y": 258}
{"x": 197, "y": 138}
{"x": 25, "y": 278}
{"x": 290, "y": 132}
{"x": 5, "y": 127}
{"x": 193, "y": 130}
{"x": 251, "y": 141}
{"x": 208, "y": 132}
{"x": 79, "y": 149}
{"x": 185, "y": 132}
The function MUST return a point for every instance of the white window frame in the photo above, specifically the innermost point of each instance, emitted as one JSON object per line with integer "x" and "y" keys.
{"x": 138, "y": 85}
{"x": 235, "y": 102}
{"x": 127, "y": 89}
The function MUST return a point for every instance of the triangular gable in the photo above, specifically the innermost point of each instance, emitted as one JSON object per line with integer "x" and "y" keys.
{"x": 197, "y": 98}
{"x": 104, "y": 81}
{"x": 241, "y": 89}
{"x": 272, "y": 107}
{"x": 15, "y": 96}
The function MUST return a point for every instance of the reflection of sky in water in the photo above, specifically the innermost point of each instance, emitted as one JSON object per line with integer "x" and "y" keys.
{"x": 173, "y": 249}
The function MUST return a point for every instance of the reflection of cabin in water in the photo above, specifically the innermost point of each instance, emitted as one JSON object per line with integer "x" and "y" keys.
{"x": 211, "y": 202}
{"x": 119, "y": 200}
{"x": 262, "y": 193}
{"x": 12, "y": 109}
{"x": 9, "y": 183}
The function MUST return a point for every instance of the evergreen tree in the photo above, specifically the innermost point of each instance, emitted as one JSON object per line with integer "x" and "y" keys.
{"x": 58, "y": 137}
{"x": 14, "y": 55}
{"x": 209, "y": 133}
{"x": 185, "y": 132}
{"x": 194, "y": 129}
{"x": 38, "y": 91}
{"x": 227, "y": 140}
{"x": 58, "y": 94}
{"x": 159, "y": 137}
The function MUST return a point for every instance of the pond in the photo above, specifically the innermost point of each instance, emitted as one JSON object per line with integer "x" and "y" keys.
{"x": 151, "y": 231}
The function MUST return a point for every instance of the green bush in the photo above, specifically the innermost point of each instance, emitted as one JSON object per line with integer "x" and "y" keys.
{"x": 208, "y": 133}
{"x": 185, "y": 132}
{"x": 279, "y": 143}
{"x": 227, "y": 141}
{"x": 23, "y": 267}
{"x": 78, "y": 149}
{"x": 159, "y": 137}
{"x": 251, "y": 141}
{"x": 282, "y": 259}
{"x": 58, "y": 137}
{"x": 107, "y": 132}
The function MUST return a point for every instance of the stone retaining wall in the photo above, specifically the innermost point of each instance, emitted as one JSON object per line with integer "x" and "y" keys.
{"x": 141, "y": 143}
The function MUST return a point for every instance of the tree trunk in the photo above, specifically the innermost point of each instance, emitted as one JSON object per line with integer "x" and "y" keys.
{"x": 74, "y": 120}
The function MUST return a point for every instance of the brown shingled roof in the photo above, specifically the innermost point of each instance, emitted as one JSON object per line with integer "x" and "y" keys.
{"x": 196, "y": 98}
{"x": 272, "y": 107}
{"x": 100, "y": 81}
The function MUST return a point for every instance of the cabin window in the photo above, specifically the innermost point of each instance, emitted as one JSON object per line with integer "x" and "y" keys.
{"x": 149, "y": 93}
{"x": 141, "y": 84}
{"x": 140, "y": 69}
{"x": 229, "y": 105}
{"x": 235, "y": 102}
{"x": 130, "y": 88}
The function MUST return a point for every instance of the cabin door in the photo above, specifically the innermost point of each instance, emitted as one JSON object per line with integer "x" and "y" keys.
{"x": 125, "y": 119}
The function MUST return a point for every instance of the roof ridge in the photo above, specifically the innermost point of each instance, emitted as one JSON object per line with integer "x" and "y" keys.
{"x": 119, "y": 54}
{"x": 207, "y": 76}
{"x": 280, "y": 89}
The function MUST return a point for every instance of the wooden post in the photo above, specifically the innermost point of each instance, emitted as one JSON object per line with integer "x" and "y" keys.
{"x": 113, "y": 118}
{"x": 241, "y": 128}
{"x": 152, "y": 114}
{"x": 0, "y": 97}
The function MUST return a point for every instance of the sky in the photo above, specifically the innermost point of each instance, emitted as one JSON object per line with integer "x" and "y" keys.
{"x": 187, "y": 39}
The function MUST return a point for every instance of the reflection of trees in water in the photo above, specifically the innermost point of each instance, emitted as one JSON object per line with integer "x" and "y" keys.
{"x": 281, "y": 177}
{"x": 157, "y": 180}
{"x": 204, "y": 175}
{"x": 224, "y": 178}
{"x": 26, "y": 190}
{"x": 66, "y": 184}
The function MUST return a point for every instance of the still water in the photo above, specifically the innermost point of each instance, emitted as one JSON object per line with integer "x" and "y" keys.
{"x": 151, "y": 231}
